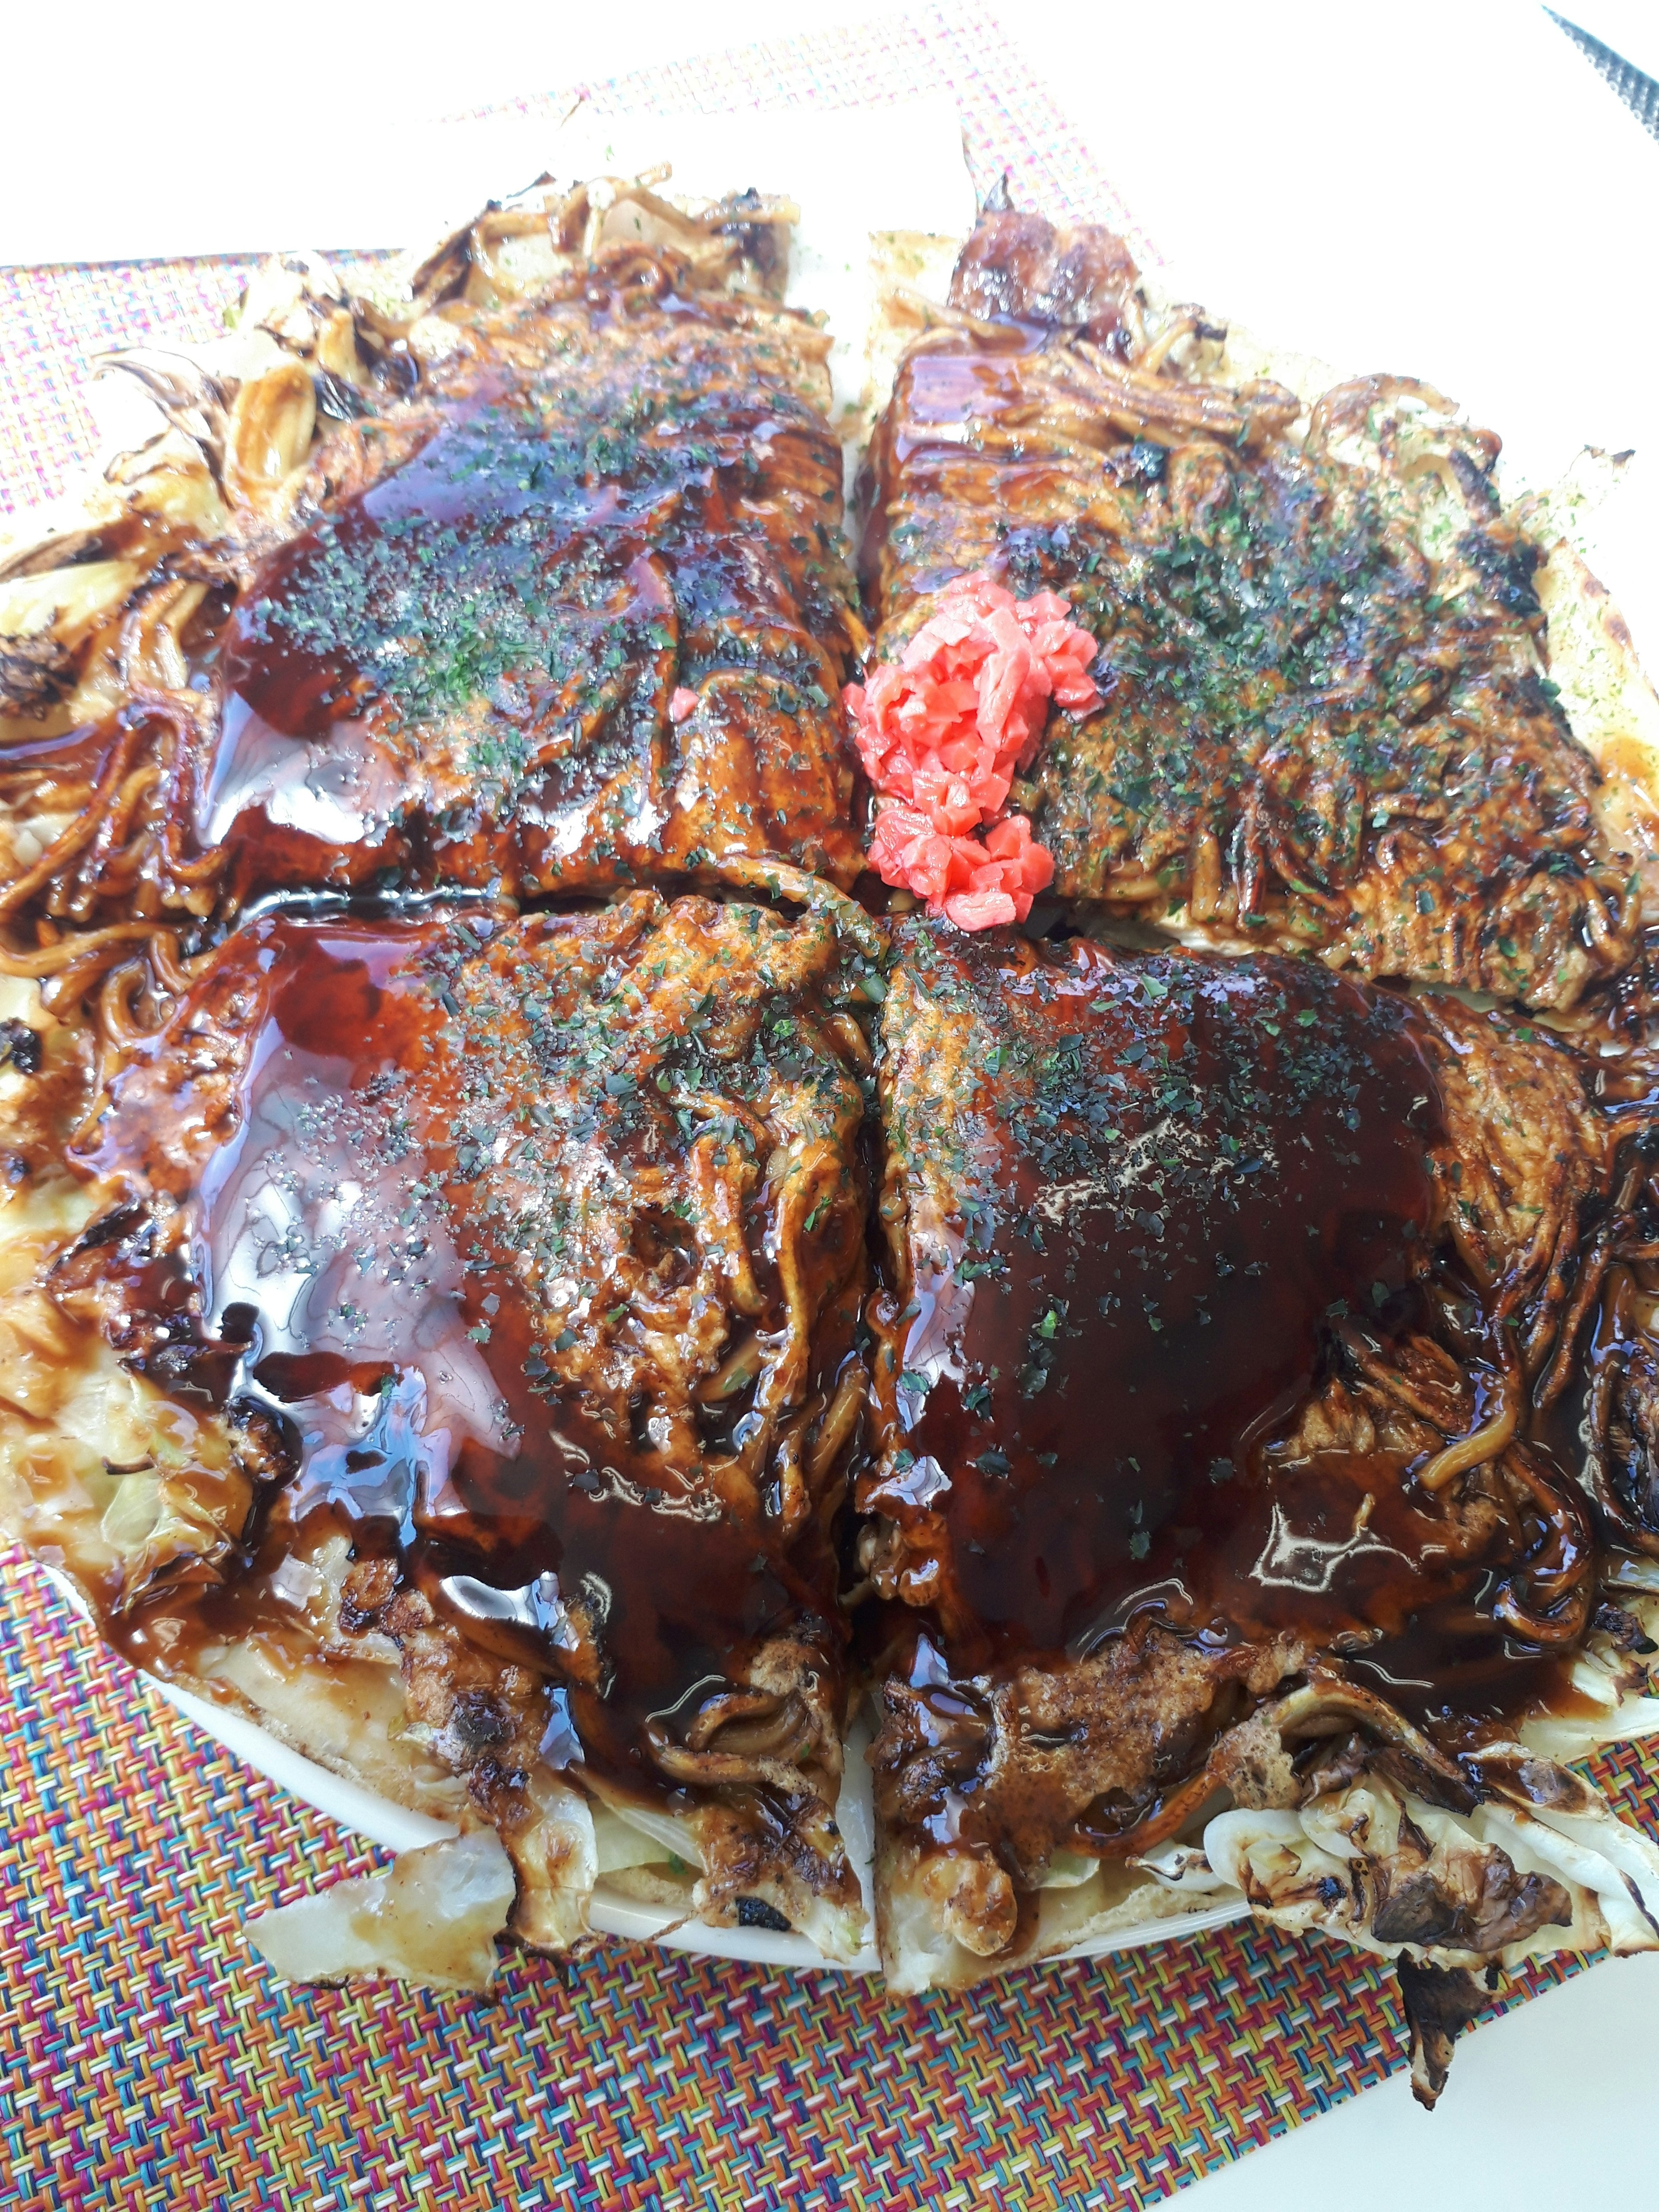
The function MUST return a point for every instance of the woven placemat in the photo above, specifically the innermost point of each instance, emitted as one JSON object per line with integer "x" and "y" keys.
{"x": 148, "y": 2060}
{"x": 55, "y": 320}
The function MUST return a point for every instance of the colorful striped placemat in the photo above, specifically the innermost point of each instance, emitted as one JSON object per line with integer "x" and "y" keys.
{"x": 148, "y": 2060}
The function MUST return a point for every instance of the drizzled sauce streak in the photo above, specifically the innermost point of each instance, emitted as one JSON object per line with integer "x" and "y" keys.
{"x": 1180, "y": 1175}
{"x": 342, "y": 1263}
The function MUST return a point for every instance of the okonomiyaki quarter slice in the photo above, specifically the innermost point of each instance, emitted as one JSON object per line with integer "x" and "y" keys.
{"x": 1239, "y": 1321}
{"x": 440, "y": 1343}
{"x": 534, "y": 579}
{"x": 1318, "y": 711}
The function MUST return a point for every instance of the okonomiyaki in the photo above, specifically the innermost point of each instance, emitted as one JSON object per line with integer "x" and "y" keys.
{"x": 615, "y": 1154}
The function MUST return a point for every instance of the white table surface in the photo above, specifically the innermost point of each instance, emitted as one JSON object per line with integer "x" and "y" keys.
{"x": 1443, "y": 187}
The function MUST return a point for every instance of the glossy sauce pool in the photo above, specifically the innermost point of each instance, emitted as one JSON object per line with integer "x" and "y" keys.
{"x": 339, "y": 1271}
{"x": 463, "y": 671}
{"x": 1187, "y": 1175}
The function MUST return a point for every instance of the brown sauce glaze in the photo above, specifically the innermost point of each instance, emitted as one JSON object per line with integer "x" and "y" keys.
{"x": 1318, "y": 725}
{"x": 919, "y": 442}
{"x": 593, "y": 629}
{"x": 1018, "y": 266}
{"x": 1180, "y": 1179}
{"x": 345, "y": 1153}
